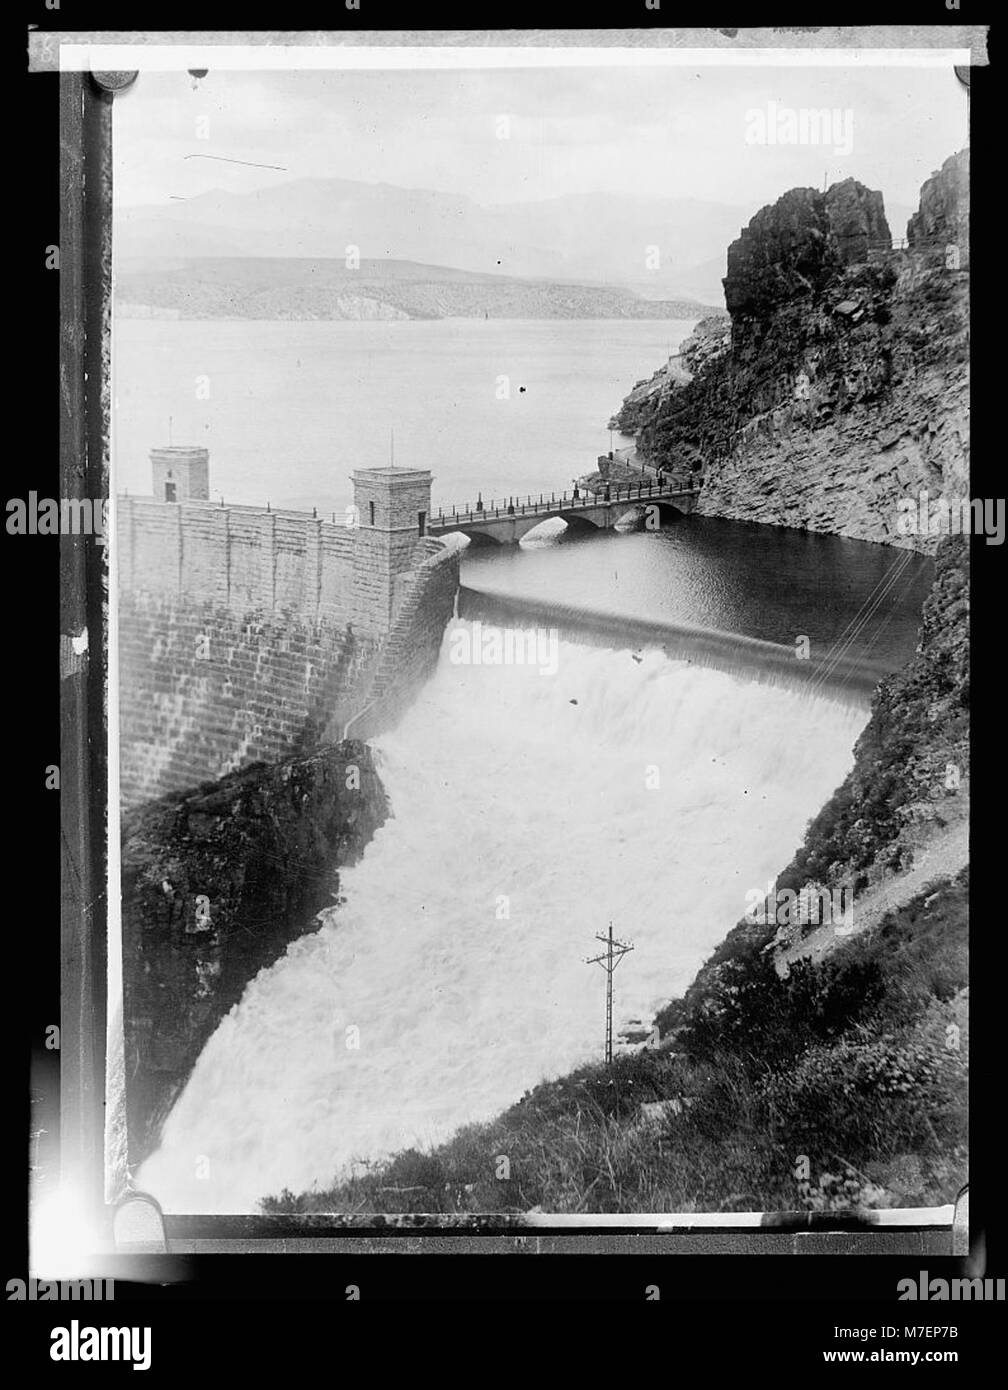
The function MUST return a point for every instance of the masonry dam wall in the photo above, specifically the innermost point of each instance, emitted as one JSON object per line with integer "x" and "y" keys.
{"x": 251, "y": 635}
{"x": 409, "y": 655}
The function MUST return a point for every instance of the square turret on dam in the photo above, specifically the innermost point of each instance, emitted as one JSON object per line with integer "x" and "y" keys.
{"x": 180, "y": 473}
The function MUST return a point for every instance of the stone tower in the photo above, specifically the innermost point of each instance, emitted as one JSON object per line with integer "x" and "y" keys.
{"x": 393, "y": 507}
{"x": 180, "y": 473}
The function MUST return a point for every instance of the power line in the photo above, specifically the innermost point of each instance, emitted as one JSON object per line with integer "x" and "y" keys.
{"x": 614, "y": 953}
{"x": 883, "y": 624}
{"x": 854, "y": 629}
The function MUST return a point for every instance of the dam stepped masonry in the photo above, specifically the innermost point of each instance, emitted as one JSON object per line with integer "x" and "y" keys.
{"x": 248, "y": 634}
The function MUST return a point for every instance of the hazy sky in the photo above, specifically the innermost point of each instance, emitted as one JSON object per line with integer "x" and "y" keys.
{"x": 625, "y": 130}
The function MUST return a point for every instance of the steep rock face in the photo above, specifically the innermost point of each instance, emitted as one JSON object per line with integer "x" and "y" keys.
{"x": 216, "y": 883}
{"x": 781, "y": 254}
{"x": 911, "y": 762}
{"x": 709, "y": 339}
{"x": 871, "y": 410}
{"x": 943, "y": 216}
{"x": 647, "y": 395}
{"x": 793, "y": 247}
{"x": 846, "y": 387}
{"x": 856, "y": 221}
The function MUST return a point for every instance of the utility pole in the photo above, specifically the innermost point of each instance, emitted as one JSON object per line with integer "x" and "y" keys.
{"x": 614, "y": 953}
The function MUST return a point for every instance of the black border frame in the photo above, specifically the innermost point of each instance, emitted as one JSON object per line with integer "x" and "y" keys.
{"x": 85, "y": 181}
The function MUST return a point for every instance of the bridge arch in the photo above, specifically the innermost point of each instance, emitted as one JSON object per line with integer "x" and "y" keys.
{"x": 636, "y": 517}
{"x": 579, "y": 525}
{"x": 477, "y": 538}
{"x": 574, "y": 524}
{"x": 508, "y": 524}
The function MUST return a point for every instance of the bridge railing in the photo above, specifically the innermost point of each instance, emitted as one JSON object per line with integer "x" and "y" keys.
{"x": 567, "y": 501}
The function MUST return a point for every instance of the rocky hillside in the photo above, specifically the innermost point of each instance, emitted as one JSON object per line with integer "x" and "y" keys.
{"x": 275, "y": 288}
{"x": 841, "y": 349}
{"x": 943, "y": 216}
{"x": 215, "y": 884}
{"x": 909, "y": 782}
{"x": 710, "y": 338}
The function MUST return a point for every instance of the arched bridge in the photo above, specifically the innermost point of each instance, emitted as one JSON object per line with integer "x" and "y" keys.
{"x": 506, "y": 522}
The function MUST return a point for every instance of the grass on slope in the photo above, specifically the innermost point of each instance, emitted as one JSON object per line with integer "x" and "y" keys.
{"x": 842, "y": 1086}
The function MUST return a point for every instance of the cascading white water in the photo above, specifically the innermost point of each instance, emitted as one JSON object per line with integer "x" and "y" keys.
{"x": 526, "y": 815}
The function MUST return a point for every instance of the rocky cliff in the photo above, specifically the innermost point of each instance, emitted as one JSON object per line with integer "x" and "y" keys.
{"x": 793, "y": 248}
{"x": 216, "y": 883}
{"x": 841, "y": 349}
{"x": 942, "y": 219}
{"x": 710, "y": 338}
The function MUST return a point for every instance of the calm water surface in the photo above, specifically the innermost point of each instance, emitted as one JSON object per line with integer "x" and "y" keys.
{"x": 857, "y": 604}
{"x": 504, "y": 407}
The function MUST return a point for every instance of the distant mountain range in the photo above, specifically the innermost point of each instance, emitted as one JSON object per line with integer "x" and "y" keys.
{"x": 585, "y": 255}
{"x": 301, "y": 288}
{"x": 661, "y": 248}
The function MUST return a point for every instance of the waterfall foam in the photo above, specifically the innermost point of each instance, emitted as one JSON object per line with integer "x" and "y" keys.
{"x": 528, "y": 810}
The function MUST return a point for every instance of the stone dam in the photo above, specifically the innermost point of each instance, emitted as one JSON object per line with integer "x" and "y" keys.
{"x": 247, "y": 634}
